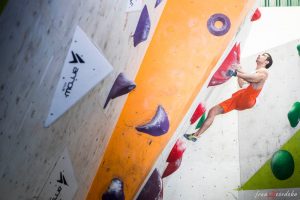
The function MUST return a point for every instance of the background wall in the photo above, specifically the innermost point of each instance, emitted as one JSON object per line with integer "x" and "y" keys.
{"x": 236, "y": 146}
{"x": 34, "y": 40}
{"x": 263, "y": 130}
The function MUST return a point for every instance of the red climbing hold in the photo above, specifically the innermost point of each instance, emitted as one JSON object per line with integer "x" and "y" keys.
{"x": 256, "y": 15}
{"x": 177, "y": 151}
{"x": 172, "y": 167}
{"x": 220, "y": 76}
{"x": 198, "y": 113}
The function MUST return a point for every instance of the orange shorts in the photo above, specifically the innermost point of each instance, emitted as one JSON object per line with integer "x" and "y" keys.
{"x": 241, "y": 100}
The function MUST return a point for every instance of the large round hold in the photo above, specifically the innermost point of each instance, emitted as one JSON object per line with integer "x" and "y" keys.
{"x": 211, "y": 24}
{"x": 282, "y": 165}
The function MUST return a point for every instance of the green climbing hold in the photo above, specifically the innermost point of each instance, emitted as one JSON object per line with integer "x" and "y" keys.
{"x": 298, "y": 48}
{"x": 201, "y": 121}
{"x": 264, "y": 178}
{"x": 294, "y": 114}
{"x": 282, "y": 165}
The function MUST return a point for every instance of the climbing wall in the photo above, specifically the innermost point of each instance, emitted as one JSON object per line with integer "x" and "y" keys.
{"x": 209, "y": 167}
{"x": 265, "y": 129}
{"x": 252, "y": 154}
{"x": 262, "y": 144}
{"x": 173, "y": 71}
{"x": 35, "y": 38}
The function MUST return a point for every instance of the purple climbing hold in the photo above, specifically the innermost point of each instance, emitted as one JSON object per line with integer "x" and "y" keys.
{"x": 215, "y": 30}
{"x": 143, "y": 27}
{"x": 153, "y": 188}
{"x": 157, "y": 3}
{"x": 115, "y": 190}
{"x": 120, "y": 87}
{"x": 159, "y": 124}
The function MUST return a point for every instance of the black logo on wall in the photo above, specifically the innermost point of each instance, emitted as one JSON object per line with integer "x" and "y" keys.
{"x": 76, "y": 58}
{"x": 69, "y": 85}
{"x": 62, "y": 179}
{"x": 59, "y": 189}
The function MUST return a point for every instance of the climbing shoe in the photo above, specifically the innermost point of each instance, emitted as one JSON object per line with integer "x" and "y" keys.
{"x": 190, "y": 137}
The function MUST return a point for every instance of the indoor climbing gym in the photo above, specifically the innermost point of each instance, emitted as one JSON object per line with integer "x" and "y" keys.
{"x": 149, "y": 100}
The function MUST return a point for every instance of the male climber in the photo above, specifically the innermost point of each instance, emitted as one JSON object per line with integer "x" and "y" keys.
{"x": 242, "y": 99}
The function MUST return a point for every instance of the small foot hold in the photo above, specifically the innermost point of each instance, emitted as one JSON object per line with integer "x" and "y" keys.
{"x": 190, "y": 137}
